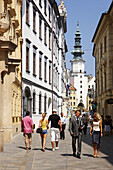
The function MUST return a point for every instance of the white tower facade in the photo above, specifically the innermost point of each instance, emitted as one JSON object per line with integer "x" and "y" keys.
{"x": 78, "y": 74}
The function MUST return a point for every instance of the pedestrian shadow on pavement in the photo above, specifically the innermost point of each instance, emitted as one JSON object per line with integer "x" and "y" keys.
{"x": 36, "y": 149}
{"x": 88, "y": 155}
{"x": 49, "y": 149}
{"x": 106, "y": 146}
{"x": 66, "y": 154}
{"x": 21, "y": 147}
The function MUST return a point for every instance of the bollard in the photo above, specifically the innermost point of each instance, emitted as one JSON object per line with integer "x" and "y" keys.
{"x": 1, "y": 140}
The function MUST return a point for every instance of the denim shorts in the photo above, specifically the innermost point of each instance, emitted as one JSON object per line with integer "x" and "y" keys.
{"x": 44, "y": 132}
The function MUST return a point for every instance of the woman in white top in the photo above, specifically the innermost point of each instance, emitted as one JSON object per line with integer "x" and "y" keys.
{"x": 96, "y": 128}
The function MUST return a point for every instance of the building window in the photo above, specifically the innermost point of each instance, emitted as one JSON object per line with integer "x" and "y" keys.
{"x": 80, "y": 81}
{"x": 27, "y": 13}
{"x": 89, "y": 86}
{"x": 70, "y": 97}
{"x": 74, "y": 103}
{"x": 40, "y": 65}
{"x": 34, "y": 100}
{"x": 45, "y": 5}
{"x": 45, "y": 103}
{"x": 45, "y": 33}
{"x": 80, "y": 71}
{"x": 80, "y": 76}
{"x": 71, "y": 103}
{"x": 81, "y": 92}
{"x": 73, "y": 98}
{"x": 80, "y": 86}
{"x": 40, "y": 3}
{"x": 49, "y": 39}
{"x": 27, "y": 59}
{"x": 40, "y": 28}
{"x": 105, "y": 44}
{"x": 34, "y": 21}
{"x": 49, "y": 14}
{"x": 49, "y": 73}
{"x": 40, "y": 103}
{"x": 80, "y": 96}
{"x": 34, "y": 64}
{"x": 45, "y": 70}
{"x": 101, "y": 51}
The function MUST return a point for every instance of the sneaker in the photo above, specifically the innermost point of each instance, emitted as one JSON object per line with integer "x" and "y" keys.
{"x": 53, "y": 149}
{"x": 57, "y": 148}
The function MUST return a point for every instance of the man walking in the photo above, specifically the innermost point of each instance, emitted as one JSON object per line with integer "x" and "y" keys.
{"x": 28, "y": 129}
{"x": 55, "y": 122}
{"x": 75, "y": 129}
{"x": 63, "y": 122}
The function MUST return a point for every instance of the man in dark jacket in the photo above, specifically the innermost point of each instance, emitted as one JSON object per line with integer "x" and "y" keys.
{"x": 75, "y": 128}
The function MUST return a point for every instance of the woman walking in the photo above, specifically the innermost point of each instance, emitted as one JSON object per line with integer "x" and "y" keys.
{"x": 96, "y": 128}
{"x": 43, "y": 124}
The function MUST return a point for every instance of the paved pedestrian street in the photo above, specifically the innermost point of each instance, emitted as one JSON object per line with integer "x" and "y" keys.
{"x": 15, "y": 157}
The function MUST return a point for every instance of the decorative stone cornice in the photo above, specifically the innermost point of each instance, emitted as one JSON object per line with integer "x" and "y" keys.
{"x": 7, "y": 45}
{"x": 4, "y": 25}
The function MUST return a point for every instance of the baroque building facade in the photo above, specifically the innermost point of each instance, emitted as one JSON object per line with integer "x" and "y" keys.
{"x": 43, "y": 54}
{"x": 10, "y": 68}
{"x": 103, "y": 53}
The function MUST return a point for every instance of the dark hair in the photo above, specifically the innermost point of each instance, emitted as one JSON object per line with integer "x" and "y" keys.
{"x": 27, "y": 113}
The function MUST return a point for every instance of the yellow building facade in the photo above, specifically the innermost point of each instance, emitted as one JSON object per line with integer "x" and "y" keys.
{"x": 103, "y": 53}
{"x": 73, "y": 98}
{"x": 10, "y": 67}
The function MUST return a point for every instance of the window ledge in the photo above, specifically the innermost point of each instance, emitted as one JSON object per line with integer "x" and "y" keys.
{"x": 40, "y": 78}
{"x": 40, "y": 38}
{"x": 27, "y": 71}
{"x": 45, "y": 81}
{"x": 34, "y": 32}
{"x": 28, "y": 24}
{"x": 34, "y": 75}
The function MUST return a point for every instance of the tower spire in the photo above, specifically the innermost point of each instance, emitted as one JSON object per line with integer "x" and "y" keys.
{"x": 77, "y": 52}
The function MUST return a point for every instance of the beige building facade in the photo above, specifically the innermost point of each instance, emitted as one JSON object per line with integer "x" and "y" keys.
{"x": 103, "y": 53}
{"x": 73, "y": 97}
{"x": 10, "y": 69}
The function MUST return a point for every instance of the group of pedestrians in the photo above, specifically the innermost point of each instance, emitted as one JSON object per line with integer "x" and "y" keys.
{"x": 76, "y": 127}
{"x": 77, "y": 124}
{"x": 57, "y": 129}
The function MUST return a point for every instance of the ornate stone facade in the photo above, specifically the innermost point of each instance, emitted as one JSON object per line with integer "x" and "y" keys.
{"x": 10, "y": 67}
{"x": 103, "y": 53}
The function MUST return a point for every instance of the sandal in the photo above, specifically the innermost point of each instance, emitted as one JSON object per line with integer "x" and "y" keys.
{"x": 29, "y": 148}
{"x": 26, "y": 148}
{"x": 94, "y": 156}
{"x": 97, "y": 156}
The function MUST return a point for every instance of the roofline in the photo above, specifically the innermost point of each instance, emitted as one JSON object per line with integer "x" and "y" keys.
{"x": 101, "y": 18}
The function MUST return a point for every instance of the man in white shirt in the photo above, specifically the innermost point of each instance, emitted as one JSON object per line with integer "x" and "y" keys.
{"x": 63, "y": 122}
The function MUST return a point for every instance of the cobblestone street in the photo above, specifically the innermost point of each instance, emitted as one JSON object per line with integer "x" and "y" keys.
{"x": 15, "y": 157}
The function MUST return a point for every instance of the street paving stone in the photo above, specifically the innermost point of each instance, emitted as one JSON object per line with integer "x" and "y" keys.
{"x": 15, "y": 157}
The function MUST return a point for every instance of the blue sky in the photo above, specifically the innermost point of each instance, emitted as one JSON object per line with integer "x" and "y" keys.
{"x": 88, "y": 13}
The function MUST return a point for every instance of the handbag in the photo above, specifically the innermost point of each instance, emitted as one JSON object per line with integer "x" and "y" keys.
{"x": 39, "y": 130}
